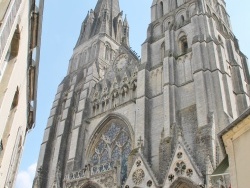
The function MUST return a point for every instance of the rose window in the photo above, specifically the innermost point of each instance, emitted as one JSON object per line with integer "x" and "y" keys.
{"x": 138, "y": 176}
{"x": 180, "y": 167}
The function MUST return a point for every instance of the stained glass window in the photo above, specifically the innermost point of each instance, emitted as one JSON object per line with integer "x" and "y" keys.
{"x": 116, "y": 154}
{"x": 112, "y": 132}
{"x": 95, "y": 159}
{"x": 127, "y": 150}
{"x": 122, "y": 139}
{"x": 114, "y": 145}
{"x": 101, "y": 146}
{"x": 104, "y": 157}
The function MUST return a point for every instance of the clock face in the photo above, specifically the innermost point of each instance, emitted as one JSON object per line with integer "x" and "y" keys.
{"x": 121, "y": 62}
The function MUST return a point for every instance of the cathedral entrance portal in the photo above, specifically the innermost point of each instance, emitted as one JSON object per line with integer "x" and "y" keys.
{"x": 91, "y": 185}
{"x": 182, "y": 183}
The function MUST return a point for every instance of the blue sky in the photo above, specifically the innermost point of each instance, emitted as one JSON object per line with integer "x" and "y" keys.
{"x": 61, "y": 28}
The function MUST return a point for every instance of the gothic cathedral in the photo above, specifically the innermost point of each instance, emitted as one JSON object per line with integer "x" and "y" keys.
{"x": 120, "y": 121}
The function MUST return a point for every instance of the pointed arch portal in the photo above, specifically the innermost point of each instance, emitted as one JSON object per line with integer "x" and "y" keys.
{"x": 91, "y": 185}
{"x": 183, "y": 183}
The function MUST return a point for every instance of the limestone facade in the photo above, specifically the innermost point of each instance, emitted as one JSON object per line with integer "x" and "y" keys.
{"x": 121, "y": 121}
{"x": 20, "y": 31}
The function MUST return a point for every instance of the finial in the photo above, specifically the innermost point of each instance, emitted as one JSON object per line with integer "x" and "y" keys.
{"x": 125, "y": 22}
{"x": 140, "y": 142}
{"x": 179, "y": 135}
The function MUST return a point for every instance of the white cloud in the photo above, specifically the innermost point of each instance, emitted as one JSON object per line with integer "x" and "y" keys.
{"x": 25, "y": 178}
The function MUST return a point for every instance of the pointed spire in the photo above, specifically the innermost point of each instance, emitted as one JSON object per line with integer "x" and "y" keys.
{"x": 125, "y": 22}
{"x": 125, "y": 32}
{"x": 110, "y": 5}
{"x": 102, "y": 20}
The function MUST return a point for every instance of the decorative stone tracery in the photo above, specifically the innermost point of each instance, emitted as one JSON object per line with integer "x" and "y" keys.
{"x": 112, "y": 147}
{"x": 180, "y": 167}
{"x": 138, "y": 176}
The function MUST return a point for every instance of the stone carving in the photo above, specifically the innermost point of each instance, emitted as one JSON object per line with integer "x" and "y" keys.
{"x": 75, "y": 175}
{"x": 180, "y": 168}
{"x": 189, "y": 172}
{"x": 138, "y": 176}
{"x": 138, "y": 163}
{"x": 171, "y": 177}
{"x": 179, "y": 155}
{"x": 108, "y": 181}
{"x": 149, "y": 183}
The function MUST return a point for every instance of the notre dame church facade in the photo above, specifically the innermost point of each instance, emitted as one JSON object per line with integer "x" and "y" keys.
{"x": 121, "y": 121}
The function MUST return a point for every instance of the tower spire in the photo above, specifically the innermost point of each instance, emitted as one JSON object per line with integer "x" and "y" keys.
{"x": 103, "y": 19}
{"x": 112, "y": 5}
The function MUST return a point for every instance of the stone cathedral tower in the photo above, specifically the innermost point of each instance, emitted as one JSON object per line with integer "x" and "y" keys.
{"x": 118, "y": 121}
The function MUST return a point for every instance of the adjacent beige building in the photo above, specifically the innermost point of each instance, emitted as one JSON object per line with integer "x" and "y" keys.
{"x": 20, "y": 33}
{"x": 236, "y": 140}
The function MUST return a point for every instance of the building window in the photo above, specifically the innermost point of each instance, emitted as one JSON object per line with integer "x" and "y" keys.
{"x": 162, "y": 51}
{"x": 161, "y": 10}
{"x": 182, "y": 19}
{"x": 8, "y": 126}
{"x": 107, "y": 53}
{"x": 1, "y": 146}
{"x": 11, "y": 55}
{"x": 113, "y": 146}
{"x": 183, "y": 43}
{"x": 15, "y": 99}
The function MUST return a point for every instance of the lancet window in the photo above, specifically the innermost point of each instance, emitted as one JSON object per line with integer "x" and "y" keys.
{"x": 113, "y": 146}
{"x": 162, "y": 51}
{"x": 183, "y": 44}
{"x": 161, "y": 11}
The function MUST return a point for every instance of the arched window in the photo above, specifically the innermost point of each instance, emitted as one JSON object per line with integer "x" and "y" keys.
{"x": 161, "y": 10}
{"x": 183, "y": 44}
{"x": 182, "y": 19}
{"x": 162, "y": 51}
{"x": 107, "y": 53}
{"x": 112, "y": 145}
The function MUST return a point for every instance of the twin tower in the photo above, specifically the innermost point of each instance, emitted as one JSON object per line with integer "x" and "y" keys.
{"x": 121, "y": 121}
